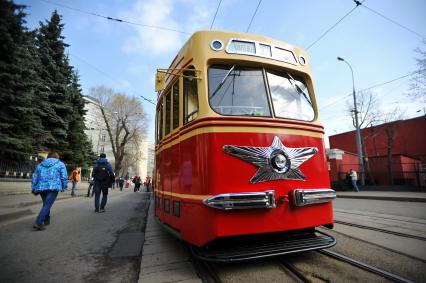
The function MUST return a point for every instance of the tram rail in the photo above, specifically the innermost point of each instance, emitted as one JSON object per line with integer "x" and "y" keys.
{"x": 208, "y": 273}
{"x": 364, "y": 266}
{"x": 389, "y": 218}
{"x": 291, "y": 269}
{"x": 380, "y": 230}
{"x": 204, "y": 270}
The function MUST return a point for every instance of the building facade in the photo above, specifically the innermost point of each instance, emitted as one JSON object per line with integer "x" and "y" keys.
{"x": 394, "y": 153}
{"x": 96, "y": 129}
{"x": 151, "y": 160}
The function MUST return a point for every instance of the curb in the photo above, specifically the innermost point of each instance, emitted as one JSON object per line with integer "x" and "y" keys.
{"x": 408, "y": 199}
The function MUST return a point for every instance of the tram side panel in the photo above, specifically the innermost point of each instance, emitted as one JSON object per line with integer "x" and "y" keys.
{"x": 175, "y": 202}
{"x": 197, "y": 222}
{"x": 167, "y": 185}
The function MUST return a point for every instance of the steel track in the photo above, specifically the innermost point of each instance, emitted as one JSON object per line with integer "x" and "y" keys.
{"x": 364, "y": 266}
{"x": 381, "y": 217}
{"x": 204, "y": 270}
{"x": 404, "y": 235}
{"x": 288, "y": 267}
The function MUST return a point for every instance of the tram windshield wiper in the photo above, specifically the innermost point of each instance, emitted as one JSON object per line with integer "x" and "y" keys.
{"x": 298, "y": 89}
{"x": 223, "y": 81}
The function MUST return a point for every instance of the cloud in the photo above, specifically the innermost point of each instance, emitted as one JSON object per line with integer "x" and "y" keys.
{"x": 182, "y": 15}
{"x": 151, "y": 40}
{"x": 201, "y": 14}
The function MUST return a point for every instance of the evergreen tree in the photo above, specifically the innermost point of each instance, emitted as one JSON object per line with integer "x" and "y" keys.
{"x": 80, "y": 149}
{"x": 56, "y": 73}
{"x": 18, "y": 119}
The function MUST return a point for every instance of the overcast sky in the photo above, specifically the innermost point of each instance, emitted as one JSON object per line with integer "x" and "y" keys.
{"x": 125, "y": 56}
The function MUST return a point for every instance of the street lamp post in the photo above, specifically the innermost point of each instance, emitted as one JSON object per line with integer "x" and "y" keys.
{"x": 358, "y": 132}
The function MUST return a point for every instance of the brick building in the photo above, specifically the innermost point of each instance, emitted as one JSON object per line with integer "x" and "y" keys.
{"x": 407, "y": 138}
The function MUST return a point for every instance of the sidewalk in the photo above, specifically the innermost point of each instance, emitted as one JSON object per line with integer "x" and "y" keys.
{"x": 16, "y": 199}
{"x": 381, "y": 195}
{"x": 164, "y": 258}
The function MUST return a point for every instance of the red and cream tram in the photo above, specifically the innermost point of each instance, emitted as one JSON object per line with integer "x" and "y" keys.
{"x": 241, "y": 170}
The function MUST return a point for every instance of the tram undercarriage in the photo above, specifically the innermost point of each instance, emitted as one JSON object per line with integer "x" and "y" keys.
{"x": 242, "y": 248}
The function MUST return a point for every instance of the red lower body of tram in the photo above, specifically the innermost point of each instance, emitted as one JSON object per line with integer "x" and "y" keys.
{"x": 192, "y": 168}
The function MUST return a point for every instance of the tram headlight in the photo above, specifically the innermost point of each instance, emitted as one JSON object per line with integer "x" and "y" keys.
{"x": 216, "y": 45}
{"x": 279, "y": 161}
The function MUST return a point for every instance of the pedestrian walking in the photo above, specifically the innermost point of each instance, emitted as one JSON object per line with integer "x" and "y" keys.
{"x": 354, "y": 177}
{"x": 49, "y": 178}
{"x": 75, "y": 178}
{"x": 91, "y": 183}
{"x": 113, "y": 183}
{"x": 148, "y": 183}
{"x": 121, "y": 183}
{"x": 104, "y": 177}
{"x": 138, "y": 182}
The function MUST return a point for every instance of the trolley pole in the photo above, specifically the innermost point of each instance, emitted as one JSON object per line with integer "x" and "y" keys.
{"x": 358, "y": 132}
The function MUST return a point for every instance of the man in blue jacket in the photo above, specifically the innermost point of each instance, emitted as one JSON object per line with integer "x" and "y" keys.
{"x": 104, "y": 177}
{"x": 49, "y": 178}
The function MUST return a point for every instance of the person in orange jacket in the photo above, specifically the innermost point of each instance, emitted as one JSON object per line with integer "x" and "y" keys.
{"x": 75, "y": 178}
{"x": 148, "y": 183}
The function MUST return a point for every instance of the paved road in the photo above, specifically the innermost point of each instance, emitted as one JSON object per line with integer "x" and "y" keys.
{"x": 79, "y": 245}
{"x": 408, "y": 209}
{"x": 406, "y": 220}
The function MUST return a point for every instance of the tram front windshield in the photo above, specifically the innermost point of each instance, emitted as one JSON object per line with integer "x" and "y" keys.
{"x": 241, "y": 91}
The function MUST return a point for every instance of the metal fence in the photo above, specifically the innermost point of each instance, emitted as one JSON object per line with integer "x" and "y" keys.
{"x": 23, "y": 170}
{"x": 380, "y": 178}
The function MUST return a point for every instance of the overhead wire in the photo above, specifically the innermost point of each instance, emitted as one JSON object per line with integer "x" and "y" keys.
{"x": 111, "y": 18}
{"x": 357, "y": 3}
{"x": 395, "y": 22}
{"x": 106, "y": 74}
{"x": 215, "y": 14}
{"x": 368, "y": 88}
{"x": 254, "y": 14}
{"x": 329, "y": 115}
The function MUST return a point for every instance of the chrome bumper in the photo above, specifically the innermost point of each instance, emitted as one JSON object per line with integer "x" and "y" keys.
{"x": 266, "y": 199}
{"x": 242, "y": 200}
{"x": 306, "y": 197}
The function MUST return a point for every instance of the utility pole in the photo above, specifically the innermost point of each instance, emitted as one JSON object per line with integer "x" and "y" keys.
{"x": 358, "y": 132}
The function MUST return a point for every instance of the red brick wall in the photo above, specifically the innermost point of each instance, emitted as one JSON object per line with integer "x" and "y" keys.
{"x": 338, "y": 167}
{"x": 409, "y": 139}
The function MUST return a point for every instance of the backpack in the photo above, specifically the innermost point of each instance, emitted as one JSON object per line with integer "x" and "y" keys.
{"x": 102, "y": 173}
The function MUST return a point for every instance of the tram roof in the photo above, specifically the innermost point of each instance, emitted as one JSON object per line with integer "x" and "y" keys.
{"x": 238, "y": 46}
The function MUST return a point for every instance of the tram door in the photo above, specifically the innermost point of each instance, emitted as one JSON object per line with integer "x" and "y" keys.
{"x": 173, "y": 159}
{"x": 159, "y": 160}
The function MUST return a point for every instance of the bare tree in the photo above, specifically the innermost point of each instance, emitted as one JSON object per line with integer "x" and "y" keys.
{"x": 132, "y": 157}
{"x": 418, "y": 80}
{"x": 124, "y": 118}
{"x": 393, "y": 119}
{"x": 368, "y": 106}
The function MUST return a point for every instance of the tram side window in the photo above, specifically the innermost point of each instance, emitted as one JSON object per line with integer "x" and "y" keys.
{"x": 176, "y": 105}
{"x": 190, "y": 97}
{"x": 176, "y": 208}
{"x": 168, "y": 112}
{"x": 166, "y": 205}
{"x": 160, "y": 121}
